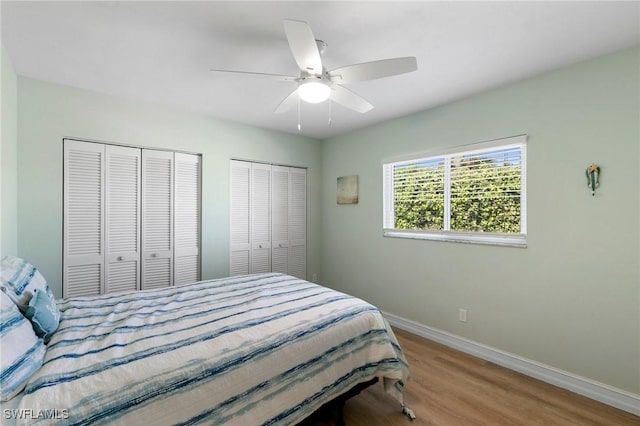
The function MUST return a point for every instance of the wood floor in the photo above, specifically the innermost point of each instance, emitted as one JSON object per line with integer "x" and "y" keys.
{"x": 451, "y": 388}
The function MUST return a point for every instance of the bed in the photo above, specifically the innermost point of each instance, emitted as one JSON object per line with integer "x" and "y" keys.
{"x": 266, "y": 349}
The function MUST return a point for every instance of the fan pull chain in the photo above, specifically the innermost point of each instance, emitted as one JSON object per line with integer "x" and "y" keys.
{"x": 299, "y": 113}
{"x": 329, "y": 112}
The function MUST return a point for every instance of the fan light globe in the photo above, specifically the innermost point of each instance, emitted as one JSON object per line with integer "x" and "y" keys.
{"x": 314, "y": 91}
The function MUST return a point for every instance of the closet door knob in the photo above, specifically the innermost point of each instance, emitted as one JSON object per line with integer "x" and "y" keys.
{"x": 119, "y": 258}
{"x": 154, "y": 254}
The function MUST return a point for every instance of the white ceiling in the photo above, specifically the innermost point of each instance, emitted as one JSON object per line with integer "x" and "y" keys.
{"x": 161, "y": 52}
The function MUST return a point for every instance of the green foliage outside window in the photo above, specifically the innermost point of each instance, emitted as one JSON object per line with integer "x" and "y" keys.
{"x": 419, "y": 197}
{"x": 485, "y": 196}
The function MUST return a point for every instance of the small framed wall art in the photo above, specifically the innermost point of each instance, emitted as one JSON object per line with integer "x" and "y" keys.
{"x": 347, "y": 192}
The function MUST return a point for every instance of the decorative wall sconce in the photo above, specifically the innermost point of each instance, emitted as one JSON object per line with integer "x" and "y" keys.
{"x": 593, "y": 177}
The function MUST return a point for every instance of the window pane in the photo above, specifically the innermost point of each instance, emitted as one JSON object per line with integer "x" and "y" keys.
{"x": 485, "y": 192}
{"x": 419, "y": 195}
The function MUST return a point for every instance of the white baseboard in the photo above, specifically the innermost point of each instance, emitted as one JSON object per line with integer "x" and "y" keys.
{"x": 590, "y": 388}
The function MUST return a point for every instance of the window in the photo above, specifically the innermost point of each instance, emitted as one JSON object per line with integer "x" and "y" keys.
{"x": 475, "y": 193}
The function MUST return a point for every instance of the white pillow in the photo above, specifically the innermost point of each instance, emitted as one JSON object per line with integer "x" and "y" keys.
{"x": 21, "y": 351}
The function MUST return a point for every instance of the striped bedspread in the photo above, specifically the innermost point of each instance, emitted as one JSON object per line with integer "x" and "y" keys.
{"x": 264, "y": 349}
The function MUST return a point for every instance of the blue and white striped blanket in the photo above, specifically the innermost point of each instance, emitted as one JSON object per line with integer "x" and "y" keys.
{"x": 263, "y": 349}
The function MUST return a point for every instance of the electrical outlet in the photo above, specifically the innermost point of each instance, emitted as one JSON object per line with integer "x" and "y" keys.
{"x": 462, "y": 315}
{"x": 314, "y": 277}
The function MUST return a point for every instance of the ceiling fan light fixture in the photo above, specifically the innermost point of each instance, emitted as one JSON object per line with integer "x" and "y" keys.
{"x": 314, "y": 91}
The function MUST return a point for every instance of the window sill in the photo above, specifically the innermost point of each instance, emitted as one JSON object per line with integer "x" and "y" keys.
{"x": 519, "y": 241}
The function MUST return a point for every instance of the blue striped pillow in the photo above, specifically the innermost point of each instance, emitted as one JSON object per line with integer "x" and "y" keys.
{"x": 20, "y": 277}
{"x": 21, "y": 351}
{"x": 21, "y": 281}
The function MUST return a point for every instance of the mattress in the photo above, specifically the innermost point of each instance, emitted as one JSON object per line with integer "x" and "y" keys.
{"x": 265, "y": 349}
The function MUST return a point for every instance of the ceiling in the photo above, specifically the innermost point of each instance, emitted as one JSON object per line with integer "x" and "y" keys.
{"x": 161, "y": 52}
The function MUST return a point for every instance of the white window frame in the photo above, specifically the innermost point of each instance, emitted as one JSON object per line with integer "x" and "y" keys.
{"x": 491, "y": 238}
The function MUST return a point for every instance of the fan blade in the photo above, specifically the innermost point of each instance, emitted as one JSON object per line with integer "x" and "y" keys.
{"x": 303, "y": 46}
{"x": 373, "y": 70}
{"x": 288, "y": 102}
{"x": 347, "y": 98}
{"x": 258, "y": 74}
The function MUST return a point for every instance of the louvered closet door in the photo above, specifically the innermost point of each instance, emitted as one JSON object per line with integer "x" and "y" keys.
{"x": 187, "y": 219}
{"x": 260, "y": 218}
{"x": 122, "y": 201}
{"x": 298, "y": 223}
{"x": 240, "y": 253}
{"x": 157, "y": 219}
{"x": 280, "y": 219}
{"x": 83, "y": 245}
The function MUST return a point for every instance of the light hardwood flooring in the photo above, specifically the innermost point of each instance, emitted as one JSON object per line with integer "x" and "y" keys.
{"x": 451, "y": 388}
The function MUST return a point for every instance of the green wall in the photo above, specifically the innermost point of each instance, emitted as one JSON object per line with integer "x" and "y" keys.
{"x": 8, "y": 159}
{"x": 48, "y": 112}
{"x": 572, "y": 298}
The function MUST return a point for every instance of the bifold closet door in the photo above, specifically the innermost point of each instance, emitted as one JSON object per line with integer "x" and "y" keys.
{"x": 132, "y": 218}
{"x": 187, "y": 218}
{"x": 298, "y": 223}
{"x": 280, "y": 196}
{"x": 268, "y": 219}
{"x": 157, "y": 219}
{"x": 122, "y": 215}
{"x": 240, "y": 252}
{"x": 260, "y": 218}
{"x": 83, "y": 224}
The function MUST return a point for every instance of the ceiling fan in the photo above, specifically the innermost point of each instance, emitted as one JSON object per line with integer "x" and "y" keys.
{"x": 315, "y": 84}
